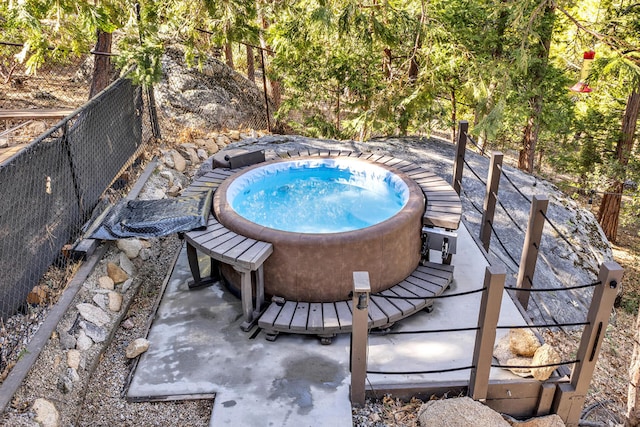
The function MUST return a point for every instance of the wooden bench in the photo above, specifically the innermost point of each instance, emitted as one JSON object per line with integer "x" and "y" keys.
{"x": 327, "y": 319}
{"x": 222, "y": 245}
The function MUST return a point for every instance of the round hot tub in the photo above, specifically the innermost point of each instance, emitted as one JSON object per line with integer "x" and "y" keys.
{"x": 326, "y": 218}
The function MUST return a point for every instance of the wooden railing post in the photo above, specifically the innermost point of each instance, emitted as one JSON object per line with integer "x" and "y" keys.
{"x": 458, "y": 163}
{"x": 359, "y": 336}
{"x": 490, "y": 198}
{"x": 494, "y": 278}
{"x": 531, "y": 247}
{"x": 569, "y": 398}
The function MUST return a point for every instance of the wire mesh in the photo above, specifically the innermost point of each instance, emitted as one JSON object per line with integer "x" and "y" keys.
{"x": 50, "y": 187}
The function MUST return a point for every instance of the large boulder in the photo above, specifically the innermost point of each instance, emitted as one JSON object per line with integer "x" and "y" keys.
{"x": 209, "y": 96}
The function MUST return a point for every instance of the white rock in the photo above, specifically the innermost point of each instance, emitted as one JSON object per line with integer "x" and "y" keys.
{"x": 83, "y": 342}
{"x": 180, "y": 164}
{"x": 73, "y": 359}
{"x": 523, "y": 342}
{"x": 126, "y": 285}
{"x": 93, "y": 314}
{"x": 137, "y": 347}
{"x": 100, "y": 300}
{"x": 461, "y": 411}
{"x": 128, "y": 324}
{"x": 545, "y": 355}
{"x": 46, "y": 413}
{"x": 115, "y": 301}
{"x": 72, "y": 373}
{"x": 202, "y": 153}
{"x": 131, "y": 247}
{"x": 96, "y": 333}
{"x": 126, "y": 264}
{"x": 106, "y": 282}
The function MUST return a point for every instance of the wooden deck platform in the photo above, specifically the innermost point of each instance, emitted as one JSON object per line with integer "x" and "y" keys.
{"x": 330, "y": 318}
{"x": 442, "y": 210}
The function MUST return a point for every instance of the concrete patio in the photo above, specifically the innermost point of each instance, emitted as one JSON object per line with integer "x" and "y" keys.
{"x": 198, "y": 350}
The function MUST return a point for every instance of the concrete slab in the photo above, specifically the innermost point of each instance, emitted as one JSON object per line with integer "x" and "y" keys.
{"x": 198, "y": 348}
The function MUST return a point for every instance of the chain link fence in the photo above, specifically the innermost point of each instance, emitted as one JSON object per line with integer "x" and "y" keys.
{"x": 50, "y": 188}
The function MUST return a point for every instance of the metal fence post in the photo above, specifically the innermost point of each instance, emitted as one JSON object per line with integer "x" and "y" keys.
{"x": 531, "y": 247}
{"x": 490, "y": 199}
{"x": 494, "y": 278}
{"x": 569, "y": 398}
{"x": 458, "y": 163}
{"x": 359, "y": 336}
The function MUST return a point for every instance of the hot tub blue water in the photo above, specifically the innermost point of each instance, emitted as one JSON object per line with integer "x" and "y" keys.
{"x": 313, "y": 196}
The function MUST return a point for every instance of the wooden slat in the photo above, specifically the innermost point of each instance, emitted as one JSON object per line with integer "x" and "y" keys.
{"x": 316, "y": 317}
{"x": 344, "y": 315}
{"x": 426, "y": 284}
{"x": 269, "y": 316}
{"x": 228, "y": 245}
{"x": 234, "y": 253}
{"x": 440, "y": 280}
{"x": 405, "y": 306}
{"x": 377, "y": 317}
{"x": 330, "y": 317}
{"x": 283, "y": 321}
{"x": 33, "y": 114}
{"x": 392, "y": 312}
{"x": 256, "y": 254}
{"x": 299, "y": 318}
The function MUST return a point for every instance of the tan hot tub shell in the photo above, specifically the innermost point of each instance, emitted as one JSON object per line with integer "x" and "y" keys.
{"x": 319, "y": 267}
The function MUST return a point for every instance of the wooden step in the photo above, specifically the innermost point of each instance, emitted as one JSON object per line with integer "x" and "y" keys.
{"x": 325, "y": 319}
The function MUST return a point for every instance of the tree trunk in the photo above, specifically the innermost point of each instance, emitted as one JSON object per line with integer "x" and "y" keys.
{"x": 530, "y": 133}
{"x": 454, "y": 115}
{"x": 413, "y": 61}
{"x": 251, "y": 68}
{"x": 275, "y": 88}
{"x": 101, "y": 64}
{"x": 530, "y": 136}
{"x": 228, "y": 55}
{"x": 610, "y": 207}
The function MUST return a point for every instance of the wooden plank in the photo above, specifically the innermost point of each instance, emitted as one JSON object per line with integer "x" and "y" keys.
{"x": 425, "y": 283}
{"x": 212, "y": 225}
{"x": 299, "y": 318}
{"x": 256, "y": 255}
{"x": 35, "y": 114}
{"x": 270, "y": 315}
{"x": 216, "y": 236}
{"x": 377, "y": 317}
{"x": 229, "y": 245}
{"x": 405, "y": 306}
{"x": 283, "y": 321}
{"x": 435, "y": 282}
{"x": 234, "y": 253}
{"x": 330, "y": 317}
{"x": 410, "y": 167}
{"x": 402, "y": 163}
{"x": 344, "y": 315}
{"x": 390, "y": 310}
{"x": 422, "y": 174}
{"x": 212, "y": 243}
{"x": 315, "y": 322}
{"x": 408, "y": 289}
{"x": 384, "y": 159}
